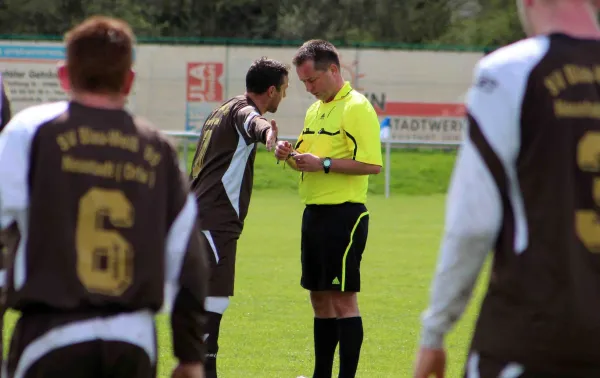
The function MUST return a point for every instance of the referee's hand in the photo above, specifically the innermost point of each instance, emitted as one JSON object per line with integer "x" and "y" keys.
{"x": 283, "y": 150}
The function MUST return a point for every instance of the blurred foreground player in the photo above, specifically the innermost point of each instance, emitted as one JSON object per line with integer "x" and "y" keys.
{"x": 97, "y": 217}
{"x": 5, "y": 112}
{"x": 222, "y": 177}
{"x": 527, "y": 185}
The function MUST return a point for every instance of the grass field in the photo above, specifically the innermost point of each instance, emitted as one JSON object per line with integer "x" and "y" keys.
{"x": 267, "y": 330}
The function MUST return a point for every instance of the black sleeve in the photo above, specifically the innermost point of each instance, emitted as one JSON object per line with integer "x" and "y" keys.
{"x": 188, "y": 315}
{"x": 186, "y": 271}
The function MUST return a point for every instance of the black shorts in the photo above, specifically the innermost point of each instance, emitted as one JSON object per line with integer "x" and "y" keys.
{"x": 333, "y": 240}
{"x": 80, "y": 346}
{"x": 222, "y": 247}
{"x": 482, "y": 366}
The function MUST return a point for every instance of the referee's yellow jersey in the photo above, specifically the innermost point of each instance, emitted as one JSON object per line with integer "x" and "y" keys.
{"x": 345, "y": 128}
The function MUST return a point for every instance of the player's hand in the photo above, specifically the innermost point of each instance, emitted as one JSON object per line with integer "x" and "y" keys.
{"x": 430, "y": 363}
{"x": 272, "y": 135}
{"x": 283, "y": 150}
{"x": 308, "y": 163}
{"x": 193, "y": 370}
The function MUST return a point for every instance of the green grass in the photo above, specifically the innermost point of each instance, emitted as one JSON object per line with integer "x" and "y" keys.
{"x": 267, "y": 330}
{"x": 413, "y": 172}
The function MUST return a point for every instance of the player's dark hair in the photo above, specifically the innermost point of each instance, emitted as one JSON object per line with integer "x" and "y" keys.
{"x": 264, "y": 73}
{"x": 321, "y": 52}
{"x": 99, "y": 55}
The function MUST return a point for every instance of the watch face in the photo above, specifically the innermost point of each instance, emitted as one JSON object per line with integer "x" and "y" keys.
{"x": 327, "y": 163}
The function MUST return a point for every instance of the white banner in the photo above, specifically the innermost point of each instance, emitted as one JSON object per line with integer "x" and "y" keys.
{"x": 178, "y": 86}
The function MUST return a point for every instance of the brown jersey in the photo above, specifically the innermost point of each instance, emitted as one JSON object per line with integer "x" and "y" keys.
{"x": 527, "y": 186}
{"x": 223, "y": 168}
{"x": 543, "y": 302}
{"x": 98, "y": 217}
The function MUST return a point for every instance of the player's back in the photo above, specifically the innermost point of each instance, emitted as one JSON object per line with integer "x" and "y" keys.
{"x": 543, "y": 303}
{"x": 96, "y": 217}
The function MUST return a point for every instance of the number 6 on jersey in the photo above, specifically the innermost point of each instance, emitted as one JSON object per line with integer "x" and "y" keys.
{"x": 588, "y": 221}
{"x": 104, "y": 257}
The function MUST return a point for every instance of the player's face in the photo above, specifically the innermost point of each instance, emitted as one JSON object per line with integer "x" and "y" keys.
{"x": 278, "y": 95}
{"x": 319, "y": 83}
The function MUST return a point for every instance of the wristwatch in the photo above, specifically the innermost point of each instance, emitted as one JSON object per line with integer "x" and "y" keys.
{"x": 326, "y": 164}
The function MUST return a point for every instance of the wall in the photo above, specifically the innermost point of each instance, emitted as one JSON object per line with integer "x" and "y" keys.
{"x": 176, "y": 86}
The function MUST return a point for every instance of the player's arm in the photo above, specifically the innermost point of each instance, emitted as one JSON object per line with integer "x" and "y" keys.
{"x": 5, "y": 114}
{"x": 259, "y": 129}
{"x": 15, "y": 144}
{"x": 186, "y": 273}
{"x": 474, "y": 207}
{"x": 252, "y": 126}
{"x": 361, "y": 127}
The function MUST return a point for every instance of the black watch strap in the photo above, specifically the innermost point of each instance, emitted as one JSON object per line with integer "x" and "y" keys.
{"x": 326, "y": 164}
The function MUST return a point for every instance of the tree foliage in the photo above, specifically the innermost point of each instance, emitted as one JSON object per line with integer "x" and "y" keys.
{"x": 385, "y": 21}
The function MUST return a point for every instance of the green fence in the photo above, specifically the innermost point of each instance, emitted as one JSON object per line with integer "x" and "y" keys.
{"x": 270, "y": 43}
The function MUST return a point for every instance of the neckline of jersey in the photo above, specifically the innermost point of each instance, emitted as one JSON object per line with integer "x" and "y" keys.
{"x": 341, "y": 94}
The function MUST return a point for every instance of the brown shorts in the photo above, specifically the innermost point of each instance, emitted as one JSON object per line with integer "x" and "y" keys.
{"x": 222, "y": 248}
{"x": 74, "y": 346}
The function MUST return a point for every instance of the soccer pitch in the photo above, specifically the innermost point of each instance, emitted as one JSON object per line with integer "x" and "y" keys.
{"x": 267, "y": 330}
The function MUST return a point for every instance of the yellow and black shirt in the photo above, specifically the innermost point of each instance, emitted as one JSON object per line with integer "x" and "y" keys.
{"x": 345, "y": 128}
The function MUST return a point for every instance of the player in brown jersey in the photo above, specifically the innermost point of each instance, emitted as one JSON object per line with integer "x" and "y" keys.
{"x": 527, "y": 186}
{"x": 99, "y": 222}
{"x": 222, "y": 177}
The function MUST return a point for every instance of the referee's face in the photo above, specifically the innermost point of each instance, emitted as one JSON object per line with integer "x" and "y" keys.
{"x": 318, "y": 83}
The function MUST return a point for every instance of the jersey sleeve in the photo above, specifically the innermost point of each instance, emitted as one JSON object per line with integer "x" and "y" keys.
{"x": 361, "y": 126}
{"x": 15, "y": 145}
{"x": 186, "y": 273}
{"x": 251, "y": 125}
{"x": 474, "y": 205}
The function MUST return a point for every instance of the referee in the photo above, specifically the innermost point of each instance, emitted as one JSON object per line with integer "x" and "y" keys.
{"x": 337, "y": 151}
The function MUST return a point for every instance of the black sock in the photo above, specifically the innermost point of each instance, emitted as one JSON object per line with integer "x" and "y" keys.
{"x": 351, "y": 338}
{"x": 213, "y": 323}
{"x": 326, "y": 339}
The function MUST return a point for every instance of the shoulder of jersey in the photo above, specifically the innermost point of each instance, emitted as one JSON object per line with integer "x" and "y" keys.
{"x": 358, "y": 98}
{"x": 516, "y": 56}
{"x": 36, "y": 115}
{"x": 313, "y": 106}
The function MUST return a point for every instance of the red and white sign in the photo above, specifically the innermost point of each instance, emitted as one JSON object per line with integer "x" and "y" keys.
{"x": 204, "y": 82}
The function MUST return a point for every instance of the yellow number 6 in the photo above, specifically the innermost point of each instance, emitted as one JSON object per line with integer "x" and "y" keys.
{"x": 587, "y": 222}
{"x": 104, "y": 257}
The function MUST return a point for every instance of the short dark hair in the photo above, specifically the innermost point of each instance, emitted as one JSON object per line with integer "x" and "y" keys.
{"x": 99, "y": 54}
{"x": 263, "y": 73}
{"x": 321, "y": 52}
